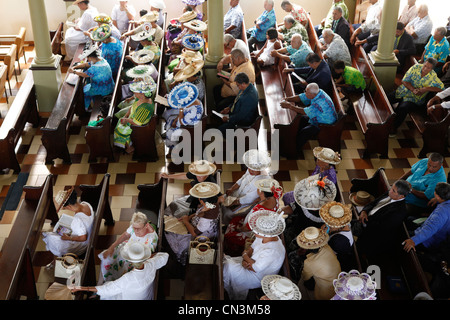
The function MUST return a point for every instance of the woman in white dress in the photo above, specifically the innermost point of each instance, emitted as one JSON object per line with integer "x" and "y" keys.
{"x": 113, "y": 265}
{"x": 264, "y": 257}
{"x": 75, "y": 35}
{"x": 76, "y": 242}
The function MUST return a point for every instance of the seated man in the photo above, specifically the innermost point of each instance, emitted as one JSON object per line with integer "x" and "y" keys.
{"x": 266, "y": 20}
{"x": 230, "y": 43}
{"x": 423, "y": 177}
{"x": 318, "y": 108}
{"x": 295, "y": 11}
{"x": 295, "y": 53}
{"x": 380, "y": 220}
{"x": 437, "y": 101}
{"x": 409, "y": 12}
{"x": 420, "y": 27}
{"x": 334, "y": 48}
{"x": 318, "y": 71}
{"x": 244, "y": 110}
{"x": 371, "y": 25}
{"x": 327, "y": 22}
{"x": 417, "y": 82}
{"x": 224, "y": 94}
{"x": 436, "y": 227}
{"x": 232, "y": 20}
{"x": 291, "y": 27}
{"x": 340, "y": 25}
{"x": 438, "y": 48}
{"x": 348, "y": 79}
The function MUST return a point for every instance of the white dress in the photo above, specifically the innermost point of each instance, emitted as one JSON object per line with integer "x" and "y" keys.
{"x": 266, "y": 54}
{"x": 74, "y": 37}
{"x": 136, "y": 284}
{"x": 121, "y": 17}
{"x": 268, "y": 258}
{"x": 81, "y": 225}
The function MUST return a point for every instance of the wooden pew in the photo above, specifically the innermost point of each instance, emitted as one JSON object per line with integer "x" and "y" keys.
{"x": 373, "y": 110}
{"x": 56, "y": 37}
{"x": 23, "y": 110}
{"x": 16, "y": 261}
{"x": 405, "y": 266}
{"x": 98, "y": 197}
{"x": 69, "y": 102}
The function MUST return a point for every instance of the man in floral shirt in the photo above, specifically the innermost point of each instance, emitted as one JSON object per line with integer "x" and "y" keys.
{"x": 296, "y": 11}
{"x": 265, "y": 21}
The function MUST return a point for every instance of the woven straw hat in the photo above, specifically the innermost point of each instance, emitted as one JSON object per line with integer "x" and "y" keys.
{"x": 354, "y": 286}
{"x": 257, "y": 160}
{"x": 202, "y": 168}
{"x": 309, "y": 194}
{"x": 277, "y": 287}
{"x": 192, "y": 68}
{"x": 336, "y": 214}
{"x": 312, "y": 238}
{"x": 187, "y": 16}
{"x": 143, "y": 56}
{"x": 361, "y": 198}
{"x": 266, "y": 223}
{"x": 146, "y": 32}
{"x": 196, "y": 25}
{"x": 204, "y": 190}
{"x": 327, "y": 155}
{"x": 151, "y": 16}
{"x": 135, "y": 252}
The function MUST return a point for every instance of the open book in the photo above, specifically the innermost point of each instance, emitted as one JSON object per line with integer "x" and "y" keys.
{"x": 224, "y": 74}
{"x": 220, "y": 115}
{"x": 63, "y": 225}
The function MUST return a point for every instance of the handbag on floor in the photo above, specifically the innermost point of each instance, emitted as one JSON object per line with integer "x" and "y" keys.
{"x": 67, "y": 265}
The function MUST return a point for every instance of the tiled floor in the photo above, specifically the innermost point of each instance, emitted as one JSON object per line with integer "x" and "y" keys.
{"x": 127, "y": 174}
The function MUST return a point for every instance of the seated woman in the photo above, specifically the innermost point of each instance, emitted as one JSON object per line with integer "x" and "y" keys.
{"x": 193, "y": 4}
{"x": 101, "y": 19}
{"x": 199, "y": 171}
{"x": 111, "y": 47}
{"x": 238, "y": 230}
{"x": 264, "y": 257}
{"x": 263, "y": 56}
{"x": 146, "y": 21}
{"x": 139, "y": 113}
{"x": 185, "y": 110}
{"x": 76, "y": 239}
{"x": 204, "y": 222}
{"x": 113, "y": 265}
{"x": 98, "y": 74}
{"x": 147, "y": 43}
{"x": 191, "y": 72}
{"x": 175, "y": 45}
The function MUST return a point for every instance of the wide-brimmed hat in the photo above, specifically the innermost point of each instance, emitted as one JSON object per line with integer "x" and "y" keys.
{"x": 266, "y": 223}
{"x": 193, "y": 2}
{"x": 196, "y": 25}
{"x": 141, "y": 71}
{"x": 143, "y": 56}
{"x": 191, "y": 69}
{"x": 202, "y": 168}
{"x": 193, "y": 41}
{"x": 101, "y": 33}
{"x": 312, "y": 193}
{"x": 182, "y": 95}
{"x": 353, "y": 285}
{"x": 151, "y": 16}
{"x": 336, "y": 214}
{"x": 103, "y": 18}
{"x": 187, "y": 16}
{"x": 361, "y": 198}
{"x": 91, "y": 48}
{"x": 277, "y": 287}
{"x": 312, "y": 238}
{"x": 266, "y": 185}
{"x": 257, "y": 160}
{"x": 159, "y": 4}
{"x": 135, "y": 252}
{"x": 146, "y": 32}
{"x": 189, "y": 55}
{"x": 327, "y": 155}
{"x": 204, "y": 190}
{"x": 147, "y": 86}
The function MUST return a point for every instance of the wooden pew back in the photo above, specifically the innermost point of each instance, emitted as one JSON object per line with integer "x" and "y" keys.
{"x": 56, "y": 37}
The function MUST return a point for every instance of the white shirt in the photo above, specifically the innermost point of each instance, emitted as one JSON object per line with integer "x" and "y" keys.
{"x": 373, "y": 18}
{"x": 121, "y": 17}
{"x": 247, "y": 191}
{"x": 444, "y": 94}
{"x": 240, "y": 44}
{"x": 422, "y": 28}
{"x": 408, "y": 14}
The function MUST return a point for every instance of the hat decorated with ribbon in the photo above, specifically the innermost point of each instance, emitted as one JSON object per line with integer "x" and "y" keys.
{"x": 193, "y": 2}
{"x": 187, "y": 16}
{"x": 101, "y": 32}
{"x": 313, "y": 192}
{"x": 191, "y": 69}
{"x": 143, "y": 56}
{"x": 189, "y": 55}
{"x": 202, "y": 168}
{"x": 91, "y": 47}
{"x": 193, "y": 41}
{"x": 135, "y": 252}
{"x": 312, "y": 238}
{"x": 158, "y": 4}
{"x": 336, "y": 214}
{"x": 182, "y": 95}
{"x": 361, "y": 198}
{"x": 327, "y": 155}
{"x": 277, "y": 287}
{"x": 353, "y": 285}
{"x": 269, "y": 185}
{"x": 196, "y": 25}
{"x": 141, "y": 71}
{"x": 267, "y": 223}
{"x": 147, "y": 86}
{"x": 151, "y": 16}
{"x": 257, "y": 160}
{"x": 103, "y": 18}
{"x": 204, "y": 190}
{"x": 145, "y": 32}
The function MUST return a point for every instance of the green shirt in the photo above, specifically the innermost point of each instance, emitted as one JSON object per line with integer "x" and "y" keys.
{"x": 297, "y": 27}
{"x": 354, "y": 77}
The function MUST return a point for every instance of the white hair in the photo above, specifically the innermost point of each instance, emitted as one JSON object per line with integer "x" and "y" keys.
{"x": 271, "y": 2}
{"x": 227, "y": 38}
{"x": 328, "y": 32}
{"x": 313, "y": 88}
{"x": 139, "y": 218}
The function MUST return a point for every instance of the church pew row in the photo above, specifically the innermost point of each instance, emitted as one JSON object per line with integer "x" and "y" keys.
{"x": 23, "y": 110}
{"x": 16, "y": 260}
{"x": 404, "y": 266}
{"x": 69, "y": 102}
{"x": 56, "y": 37}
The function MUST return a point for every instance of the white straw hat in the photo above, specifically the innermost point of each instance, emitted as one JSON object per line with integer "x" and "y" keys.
{"x": 277, "y": 287}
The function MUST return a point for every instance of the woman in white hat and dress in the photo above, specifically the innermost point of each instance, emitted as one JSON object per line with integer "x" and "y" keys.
{"x": 158, "y": 6}
{"x": 264, "y": 257}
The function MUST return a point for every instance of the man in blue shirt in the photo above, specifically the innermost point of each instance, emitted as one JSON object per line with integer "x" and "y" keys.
{"x": 266, "y": 20}
{"x": 318, "y": 109}
{"x": 232, "y": 20}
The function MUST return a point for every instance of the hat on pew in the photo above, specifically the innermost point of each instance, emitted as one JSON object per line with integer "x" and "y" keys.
{"x": 205, "y": 190}
{"x": 143, "y": 56}
{"x": 187, "y": 16}
{"x": 196, "y": 25}
{"x": 147, "y": 86}
{"x": 191, "y": 69}
{"x": 142, "y": 71}
{"x": 313, "y": 192}
{"x": 361, "y": 198}
{"x": 135, "y": 252}
{"x": 159, "y": 4}
{"x": 202, "y": 168}
{"x": 103, "y": 18}
{"x": 353, "y": 285}
{"x": 146, "y": 32}
{"x": 101, "y": 33}
{"x": 277, "y": 287}
{"x": 312, "y": 238}
{"x": 267, "y": 223}
{"x": 336, "y": 214}
{"x": 182, "y": 95}
{"x": 327, "y": 155}
{"x": 152, "y": 16}
{"x": 257, "y": 160}
{"x": 193, "y": 41}
{"x": 65, "y": 197}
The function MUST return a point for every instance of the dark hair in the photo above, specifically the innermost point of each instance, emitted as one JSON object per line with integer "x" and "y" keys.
{"x": 431, "y": 60}
{"x": 400, "y": 25}
{"x": 242, "y": 78}
{"x": 339, "y": 65}
{"x": 188, "y": 8}
{"x": 71, "y": 200}
{"x": 443, "y": 190}
{"x": 94, "y": 54}
{"x": 403, "y": 187}
{"x": 272, "y": 33}
{"x": 312, "y": 57}
{"x": 211, "y": 200}
{"x": 268, "y": 194}
{"x": 143, "y": 12}
{"x": 436, "y": 157}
